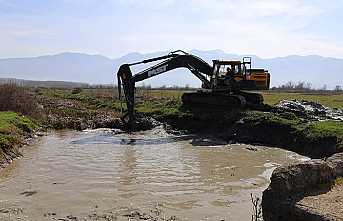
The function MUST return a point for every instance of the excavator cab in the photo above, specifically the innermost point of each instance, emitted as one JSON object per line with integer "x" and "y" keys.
{"x": 224, "y": 73}
{"x": 233, "y": 74}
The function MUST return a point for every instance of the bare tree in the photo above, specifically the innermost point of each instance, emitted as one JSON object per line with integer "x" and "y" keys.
{"x": 300, "y": 85}
{"x": 257, "y": 208}
{"x": 338, "y": 88}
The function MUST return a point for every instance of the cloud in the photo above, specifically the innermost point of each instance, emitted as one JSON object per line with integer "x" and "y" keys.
{"x": 114, "y": 27}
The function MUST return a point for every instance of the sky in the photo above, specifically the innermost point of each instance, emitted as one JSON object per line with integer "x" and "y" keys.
{"x": 266, "y": 28}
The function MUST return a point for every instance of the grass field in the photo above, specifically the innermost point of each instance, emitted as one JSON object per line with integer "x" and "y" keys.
{"x": 330, "y": 99}
{"x": 108, "y": 97}
{"x": 333, "y": 100}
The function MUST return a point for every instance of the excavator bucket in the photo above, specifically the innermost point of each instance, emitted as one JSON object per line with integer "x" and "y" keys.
{"x": 124, "y": 76}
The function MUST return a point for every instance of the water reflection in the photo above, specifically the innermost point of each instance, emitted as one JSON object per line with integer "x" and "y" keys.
{"x": 107, "y": 139}
{"x": 130, "y": 141}
{"x": 127, "y": 166}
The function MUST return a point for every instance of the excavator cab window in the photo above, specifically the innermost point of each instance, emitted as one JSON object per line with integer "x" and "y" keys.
{"x": 223, "y": 70}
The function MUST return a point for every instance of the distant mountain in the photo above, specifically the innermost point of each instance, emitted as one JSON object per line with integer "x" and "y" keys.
{"x": 61, "y": 67}
{"x": 97, "y": 69}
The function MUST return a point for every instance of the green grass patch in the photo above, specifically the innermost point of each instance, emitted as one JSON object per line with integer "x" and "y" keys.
{"x": 274, "y": 118}
{"x": 328, "y": 127}
{"x": 12, "y": 120}
{"x": 325, "y": 129}
{"x": 158, "y": 107}
{"x": 13, "y": 126}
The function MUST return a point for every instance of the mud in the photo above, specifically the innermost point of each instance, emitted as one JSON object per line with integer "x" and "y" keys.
{"x": 12, "y": 151}
{"x": 72, "y": 114}
{"x": 310, "y": 110}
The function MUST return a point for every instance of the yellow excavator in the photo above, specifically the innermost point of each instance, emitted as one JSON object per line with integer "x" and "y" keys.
{"x": 224, "y": 84}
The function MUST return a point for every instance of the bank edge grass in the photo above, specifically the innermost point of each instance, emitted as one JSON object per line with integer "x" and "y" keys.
{"x": 159, "y": 108}
{"x": 325, "y": 129}
{"x": 13, "y": 126}
{"x": 303, "y": 130}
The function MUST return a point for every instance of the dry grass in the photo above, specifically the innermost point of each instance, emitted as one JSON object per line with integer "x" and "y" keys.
{"x": 18, "y": 99}
{"x": 339, "y": 181}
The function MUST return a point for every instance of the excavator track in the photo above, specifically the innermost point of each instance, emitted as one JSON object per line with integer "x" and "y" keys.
{"x": 199, "y": 99}
{"x": 236, "y": 100}
{"x": 252, "y": 99}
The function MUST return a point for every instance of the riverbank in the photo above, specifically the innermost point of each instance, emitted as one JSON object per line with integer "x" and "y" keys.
{"x": 270, "y": 126}
{"x": 308, "y": 191}
{"x": 15, "y": 130}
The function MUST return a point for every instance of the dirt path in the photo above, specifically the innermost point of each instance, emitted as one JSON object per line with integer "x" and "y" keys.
{"x": 328, "y": 205}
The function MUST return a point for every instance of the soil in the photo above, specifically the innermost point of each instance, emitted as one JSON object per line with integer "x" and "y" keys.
{"x": 306, "y": 191}
{"x": 325, "y": 206}
{"x": 72, "y": 114}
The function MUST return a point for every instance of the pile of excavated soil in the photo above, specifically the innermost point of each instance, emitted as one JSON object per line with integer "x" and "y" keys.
{"x": 310, "y": 110}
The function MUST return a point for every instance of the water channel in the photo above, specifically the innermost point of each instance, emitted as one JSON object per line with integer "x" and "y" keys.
{"x": 76, "y": 174}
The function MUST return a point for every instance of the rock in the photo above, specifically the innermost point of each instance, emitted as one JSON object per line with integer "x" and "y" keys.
{"x": 336, "y": 163}
{"x": 251, "y": 148}
{"x": 289, "y": 184}
{"x": 300, "y": 178}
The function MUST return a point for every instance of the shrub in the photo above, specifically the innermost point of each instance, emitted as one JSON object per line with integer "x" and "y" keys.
{"x": 17, "y": 98}
{"x": 76, "y": 90}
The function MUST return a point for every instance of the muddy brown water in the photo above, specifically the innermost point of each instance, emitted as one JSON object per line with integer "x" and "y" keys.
{"x": 75, "y": 174}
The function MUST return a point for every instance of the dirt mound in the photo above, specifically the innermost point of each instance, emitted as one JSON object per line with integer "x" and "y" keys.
{"x": 310, "y": 110}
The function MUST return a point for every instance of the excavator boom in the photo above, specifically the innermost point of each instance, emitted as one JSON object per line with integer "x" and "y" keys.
{"x": 127, "y": 80}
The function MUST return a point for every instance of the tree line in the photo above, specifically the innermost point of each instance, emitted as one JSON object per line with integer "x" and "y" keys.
{"x": 304, "y": 86}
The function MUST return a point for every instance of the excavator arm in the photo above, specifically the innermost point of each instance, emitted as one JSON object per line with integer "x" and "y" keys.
{"x": 127, "y": 80}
